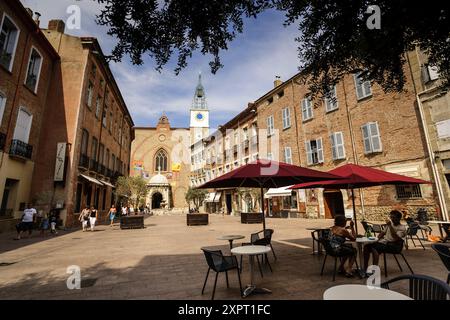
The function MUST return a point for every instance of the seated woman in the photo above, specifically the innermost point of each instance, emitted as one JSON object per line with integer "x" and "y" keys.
{"x": 389, "y": 241}
{"x": 339, "y": 234}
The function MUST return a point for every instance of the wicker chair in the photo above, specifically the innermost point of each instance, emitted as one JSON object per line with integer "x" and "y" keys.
{"x": 423, "y": 287}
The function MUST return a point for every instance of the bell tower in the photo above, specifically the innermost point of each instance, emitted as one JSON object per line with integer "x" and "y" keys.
{"x": 199, "y": 124}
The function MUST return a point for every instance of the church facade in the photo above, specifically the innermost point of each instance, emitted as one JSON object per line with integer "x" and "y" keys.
{"x": 162, "y": 155}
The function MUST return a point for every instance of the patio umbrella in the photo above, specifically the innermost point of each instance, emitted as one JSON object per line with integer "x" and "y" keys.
{"x": 355, "y": 176}
{"x": 267, "y": 174}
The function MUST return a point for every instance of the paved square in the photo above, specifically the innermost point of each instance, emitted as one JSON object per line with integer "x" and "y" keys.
{"x": 164, "y": 261}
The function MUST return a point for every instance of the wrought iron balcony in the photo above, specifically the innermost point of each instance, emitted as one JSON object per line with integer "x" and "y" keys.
{"x": 20, "y": 149}
{"x": 2, "y": 141}
{"x": 84, "y": 161}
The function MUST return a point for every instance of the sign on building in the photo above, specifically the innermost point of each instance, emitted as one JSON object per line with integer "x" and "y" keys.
{"x": 60, "y": 161}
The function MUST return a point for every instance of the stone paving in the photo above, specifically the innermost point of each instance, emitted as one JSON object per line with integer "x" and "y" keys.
{"x": 164, "y": 261}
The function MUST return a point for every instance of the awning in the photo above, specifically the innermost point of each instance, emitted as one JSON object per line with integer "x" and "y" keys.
{"x": 210, "y": 197}
{"x": 91, "y": 179}
{"x": 217, "y": 197}
{"x": 278, "y": 192}
{"x": 106, "y": 183}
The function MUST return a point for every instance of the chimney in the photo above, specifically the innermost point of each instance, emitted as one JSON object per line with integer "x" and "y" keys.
{"x": 36, "y": 20}
{"x": 30, "y": 12}
{"x": 277, "y": 81}
{"x": 56, "y": 25}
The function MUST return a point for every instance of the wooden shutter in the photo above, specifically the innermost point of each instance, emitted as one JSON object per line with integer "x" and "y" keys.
{"x": 319, "y": 150}
{"x": 358, "y": 86}
{"x": 340, "y": 148}
{"x": 366, "y": 138}
{"x": 23, "y": 126}
{"x": 375, "y": 137}
{"x": 308, "y": 152}
{"x": 333, "y": 146}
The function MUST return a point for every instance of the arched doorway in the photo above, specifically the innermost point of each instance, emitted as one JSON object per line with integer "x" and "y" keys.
{"x": 156, "y": 200}
{"x": 334, "y": 203}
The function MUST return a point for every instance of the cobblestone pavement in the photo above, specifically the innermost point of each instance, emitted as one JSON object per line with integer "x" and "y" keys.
{"x": 164, "y": 261}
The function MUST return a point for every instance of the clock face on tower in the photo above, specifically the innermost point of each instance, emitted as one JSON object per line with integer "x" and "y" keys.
{"x": 199, "y": 116}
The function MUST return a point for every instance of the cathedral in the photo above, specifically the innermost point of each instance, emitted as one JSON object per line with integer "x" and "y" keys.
{"x": 162, "y": 154}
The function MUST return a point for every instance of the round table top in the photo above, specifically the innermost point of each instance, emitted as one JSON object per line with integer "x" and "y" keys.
{"x": 366, "y": 240}
{"x": 231, "y": 237}
{"x": 250, "y": 250}
{"x": 361, "y": 292}
{"x": 435, "y": 221}
{"x": 318, "y": 228}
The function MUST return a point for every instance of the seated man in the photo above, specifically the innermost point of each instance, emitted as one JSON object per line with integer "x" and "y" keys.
{"x": 389, "y": 241}
{"x": 339, "y": 234}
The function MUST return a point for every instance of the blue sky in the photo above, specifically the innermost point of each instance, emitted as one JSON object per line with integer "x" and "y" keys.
{"x": 254, "y": 58}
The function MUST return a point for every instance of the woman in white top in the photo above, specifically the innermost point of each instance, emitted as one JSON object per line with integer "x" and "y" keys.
{"x": 389, "y": 241}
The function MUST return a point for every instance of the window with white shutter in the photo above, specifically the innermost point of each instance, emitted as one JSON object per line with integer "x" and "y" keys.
{"x": 270, "y": 126}
{"x": 307, "y": 112}
{"x": 9, "y": 35}
{"x": 34, "y": 70}
{"x": 319, "y": 150}
{"x": 309, "y": 159}
{"x": 363, "y": 88}
{"x": 288, "y": 155}
{"x": 331, "y": 102}
{"x": 286, "y": 115}
{"x": 371, "y": 138}
{"x": 23, "y": 126}
{"x": 337, "y": 145}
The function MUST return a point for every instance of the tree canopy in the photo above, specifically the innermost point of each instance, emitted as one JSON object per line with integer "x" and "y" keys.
{"x": 334, "y": 36}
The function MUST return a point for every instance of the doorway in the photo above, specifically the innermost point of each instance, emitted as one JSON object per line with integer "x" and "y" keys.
{"x": 9, "y": 197}
{"x": 228, "y": 201}
{"x": 334, "y": 203}
{"x": 156, "y": 200}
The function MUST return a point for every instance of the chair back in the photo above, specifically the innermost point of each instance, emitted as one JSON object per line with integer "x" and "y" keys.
{"x": 268, "y": 234}
{"x": 377, "y": 228}
{"x": 366, "y": 226}
{"x": 214, "y": 258}
{"x": 422, "y": 216}
{"x": 254, "y": 237}
{"x": 412, "y": 229}
{"x": 444, "y": 253}
{"x": 422, "y": 287}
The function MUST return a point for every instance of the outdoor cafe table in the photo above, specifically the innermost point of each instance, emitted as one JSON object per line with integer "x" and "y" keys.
{"x": 361, "y": 292}
{"x": 252, "y": 251}
{"x": 440, "y": 224}
{"x": 361, "y": 242}
{"x": 230, "y": 238}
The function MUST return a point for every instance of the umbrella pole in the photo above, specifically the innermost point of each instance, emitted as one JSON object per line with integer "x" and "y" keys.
{"x": 354, "y": 211}
{"x": 262, "y": 208}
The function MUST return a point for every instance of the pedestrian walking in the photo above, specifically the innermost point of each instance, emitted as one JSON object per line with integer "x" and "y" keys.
{"x": 112, "y": 214}
{"x": 45, "y": 225}
{"x": 27, "y": 221}
{"x": 84, "y": 217}
{"x": 93, "y": 217}
{"x": 53, "y": 222}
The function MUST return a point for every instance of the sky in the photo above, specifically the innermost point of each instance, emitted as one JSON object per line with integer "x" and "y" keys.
{"x": 264, "y": 50}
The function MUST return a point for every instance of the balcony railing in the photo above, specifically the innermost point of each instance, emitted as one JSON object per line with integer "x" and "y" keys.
{"x": 2, "y": 141}
{"x": 93, "y": 165}
{"x": 21, "y": 149}
{"x": 84, "y": 161}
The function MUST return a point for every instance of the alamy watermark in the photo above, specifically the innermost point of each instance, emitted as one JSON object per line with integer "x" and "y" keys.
{"x": 74, "y": 280}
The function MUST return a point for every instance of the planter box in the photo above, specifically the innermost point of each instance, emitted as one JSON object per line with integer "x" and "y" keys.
{"x": 251, "y": 217}
{"x": 132, "y": 222}
{"x": 197, "y": 219}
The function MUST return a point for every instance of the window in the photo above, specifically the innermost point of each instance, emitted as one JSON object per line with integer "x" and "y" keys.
{"x": 286, "y": 115}
{"x": 363, "y": 89}
{"x": 84, "y": 142}
{"x": 331, "y": 100}
{"x": 9, "y": 35}
{"x": 2, "y": 106}
{"x": 288, "y": 155}
{"x": 337, "y": 146}
{"x": 307, "y": 111}
{"x": 161, "y": 160}
{"x": 34, "y": 70}
{"x": 270, "y": 100}
{"x": 94, "y": 70}
{"x": 408, "y": 191}
{"x": 111, "y": 121}
{"x": 371, "y": 138}
{"x": 23, "y": 125}
{"x": 107, "y": 158}
{"x": 104, "y": 120}
{"x": 314, "y": 151}
{"x": 101, "y": 151}
{"x": 113, "y": 162}
{"x": 89, "y": 94}
{"x": 270, "y": 129}
{"x": 98, "y": 107}
{"x": 280, "y": 94}
{"x": 94, "y": 149}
